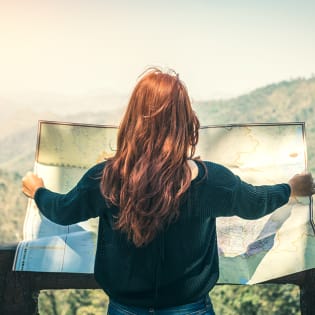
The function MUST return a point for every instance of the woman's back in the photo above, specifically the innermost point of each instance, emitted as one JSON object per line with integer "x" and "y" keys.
{"x": 157, "y": 204}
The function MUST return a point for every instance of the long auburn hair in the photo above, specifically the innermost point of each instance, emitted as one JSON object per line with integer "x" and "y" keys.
{"x": 149, "y": 174}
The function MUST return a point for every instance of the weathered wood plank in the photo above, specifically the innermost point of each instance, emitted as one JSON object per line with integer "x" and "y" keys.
{"x": 307, "y": 293}
{"x": 7, "y": 253}
{"x": 18, "y": 297}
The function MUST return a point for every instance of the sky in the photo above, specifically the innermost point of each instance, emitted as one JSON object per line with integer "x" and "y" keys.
{"x": 220, "y": 49}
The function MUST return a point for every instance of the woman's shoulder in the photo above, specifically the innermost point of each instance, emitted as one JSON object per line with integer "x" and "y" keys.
{"x": 216, "y": 174}
{"x": 96, "y": 169}
{"x": 211, "y": 166}
{"x": 93, "y": 175}
{"x": 99, "y": 167}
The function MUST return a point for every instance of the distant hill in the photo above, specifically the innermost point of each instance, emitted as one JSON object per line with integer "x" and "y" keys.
{"x": 281, "y": 102}
{"x": 12, "y": 207}
{"x": 18, "y": 134}
{"x": 287, "y": 101}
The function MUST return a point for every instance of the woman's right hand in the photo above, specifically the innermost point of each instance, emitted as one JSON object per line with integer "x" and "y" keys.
{"x": 30, "y": 183}
{"x": 302, "y": 185}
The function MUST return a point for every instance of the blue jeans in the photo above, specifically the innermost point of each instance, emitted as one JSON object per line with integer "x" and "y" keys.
{"x": 202, "y": 307}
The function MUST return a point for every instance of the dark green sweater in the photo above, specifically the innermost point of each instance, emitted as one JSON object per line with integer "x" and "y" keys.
{"x": 181, "y": 265}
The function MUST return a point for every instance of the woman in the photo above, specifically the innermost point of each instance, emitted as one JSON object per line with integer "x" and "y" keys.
{"x": 157, "y": 250}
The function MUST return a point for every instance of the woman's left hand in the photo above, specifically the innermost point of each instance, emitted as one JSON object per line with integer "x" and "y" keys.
{"x": 30, "y": 183}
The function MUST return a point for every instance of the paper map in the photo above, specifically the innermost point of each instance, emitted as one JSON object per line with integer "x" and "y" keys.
{"x": 250, "y": 251}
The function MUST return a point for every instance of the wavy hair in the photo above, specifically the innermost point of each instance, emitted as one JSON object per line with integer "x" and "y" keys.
{"x": 149, "y": 174}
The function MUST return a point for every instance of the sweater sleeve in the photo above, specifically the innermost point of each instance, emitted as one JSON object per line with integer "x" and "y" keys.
{"x": 84, "y": 201}
{"x": 245, "y": 200}
{"x": 253, "y": 202}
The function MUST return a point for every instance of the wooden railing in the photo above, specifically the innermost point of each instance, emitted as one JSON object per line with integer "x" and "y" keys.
{"x": 19, "y": 290}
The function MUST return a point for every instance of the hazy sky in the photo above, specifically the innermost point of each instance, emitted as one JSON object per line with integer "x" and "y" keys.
{"x": 219, "y": 48}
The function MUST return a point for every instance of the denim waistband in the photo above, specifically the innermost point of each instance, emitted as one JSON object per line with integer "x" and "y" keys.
{"x": 115, "y": 308}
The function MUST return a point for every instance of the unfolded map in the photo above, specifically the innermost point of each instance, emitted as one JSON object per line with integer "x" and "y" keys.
{"x": 250, "y": 251}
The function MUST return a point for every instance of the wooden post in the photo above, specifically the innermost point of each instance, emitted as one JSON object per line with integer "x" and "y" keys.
{"x": 17, "y": 295}
{"x": 307, "y": 293}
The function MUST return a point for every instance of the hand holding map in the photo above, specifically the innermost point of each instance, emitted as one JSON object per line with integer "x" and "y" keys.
{"x": 302, "y": 185}
{"x": 30, "y": 183}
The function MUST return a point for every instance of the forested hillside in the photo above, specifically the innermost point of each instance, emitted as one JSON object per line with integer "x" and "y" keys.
{"x": 282, "y": 102}
{"x": 287, "y": 101}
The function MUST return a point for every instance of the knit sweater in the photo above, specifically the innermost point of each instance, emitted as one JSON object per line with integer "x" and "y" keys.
{"x": 181, "y": 264}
